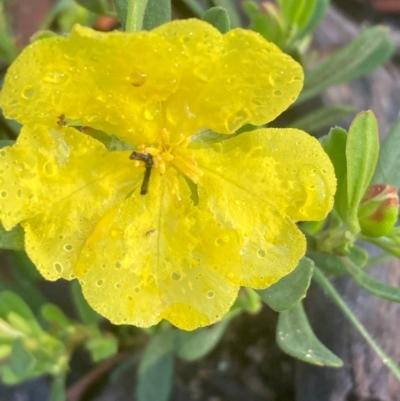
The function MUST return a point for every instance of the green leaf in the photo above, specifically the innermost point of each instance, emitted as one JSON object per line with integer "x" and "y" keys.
{"x": 332, "y": 264}
{"x": 8, "y": 51}
{"x": 334, "y": 145}
{"x": 362, "y": 150}
{"x": 388, "y": 168}
{"x": 85, "y": 311}
{"x": 298, "y": 13}
{"x": 290, "y": 289}
{"x": 96, "y": 6}
{"x": 13, "y": 239}
{"x": 154, "y": 380}
{"x": 267, "y": 21}
{"x": 57, "y": 390}
{"x": 371, "y": 285}
{"x": 121, "y": 6}
{"x": 320, "y": 11}
{"x": 193, "y": 345}
{"x": 54, "y": 315}
{"x": 6, "y": 142}
{"x": 195, "y": 7}
{"x": 21, "y": 360}
{"x": 102, "y": 347}
{"x": 323, "y": 117}
{"x": 219, "y": 18}
{"x": 157, "y": 12}
{"x": 15, "y": 311}
{"x": 364, "y": 54}
{"x": 230, "y": 7}
{"x": 43, "y": 34}
{"x": 296, "y": 337}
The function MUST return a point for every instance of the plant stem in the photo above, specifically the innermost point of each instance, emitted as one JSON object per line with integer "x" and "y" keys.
{"x": 331, "y": 291}
{"x": 135, "y": 15}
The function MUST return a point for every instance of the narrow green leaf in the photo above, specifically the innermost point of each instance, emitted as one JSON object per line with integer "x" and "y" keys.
{"x": 193, "y": 345}
{"x": 388, "y": 167}
{"x": 8, "y": 51}
{"x": 320, "y": 11}
{"x": 6, "y": 142}
{"x": 230, "y": 6}
{"x": 85, "y": 311}
{"x": 57, "y": 389}
{"x": 96, "y": 6}
{"x": 364, "y": 54}
{"x": 296, "y": 337}
{"x": 197, "y": 9}
{"x": 121, "y": 6}
{"x": 335, "y": 296}
{"x": 219, "y": 18}
{"x": 298, "y": 13}
{"x": 21, "y": 360}
{"x": 267, "y": 22}
{"x": 15, "y": 311}
{"x": 371, "y": 285}
{"x": 157, "y": 12}
{"x": 332, "y": 264}
{"x": 334, "y": 145}
{"x": 13, "y": 239}
{"x": 362, "y": 150}
{"x": 154, "y": 380}
{"x": 54, "y": 315}
{"x": 323, "y": 117}
{"x": 290, "y": 289}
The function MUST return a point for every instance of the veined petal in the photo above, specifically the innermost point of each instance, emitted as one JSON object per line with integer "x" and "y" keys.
{"x": 212, "y": 92}
{"x": 57, "y": 183}
{"x": 156, "y": 264}
{"x": 285, "y": 168}
{"x": 258, "y": 185}
{"x": 191, "y": 78}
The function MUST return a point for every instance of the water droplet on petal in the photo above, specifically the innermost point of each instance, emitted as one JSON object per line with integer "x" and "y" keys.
{"x": 58, "y": 267}
{"x": 176, "y": 276}
{"x": 28, "y": 92}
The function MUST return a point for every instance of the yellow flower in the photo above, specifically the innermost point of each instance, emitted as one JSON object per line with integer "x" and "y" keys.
{"x": 175, "y": 232}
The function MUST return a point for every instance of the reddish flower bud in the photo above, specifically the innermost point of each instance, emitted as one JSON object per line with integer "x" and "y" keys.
{"x": 378, "y": 210}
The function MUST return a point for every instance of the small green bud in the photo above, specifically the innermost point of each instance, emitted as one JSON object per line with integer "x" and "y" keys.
{"x": 378, "y": 210}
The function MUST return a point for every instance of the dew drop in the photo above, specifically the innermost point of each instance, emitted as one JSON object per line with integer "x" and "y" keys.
{"x": 3, "y": 153}
{"x": 99, "y": 283}
{"x": 28, "y": 92}
{"x": 138, "y": 78}
{"x": 137, "y": 290}
{"x": 219, "y": 241}
{"x": 261, "y": 253}
{"x": 68, "y": 247}
{"x": 129, "y": 298}
{"x": 176, "y": 276}
{"x": 118, "y": 265}
{"x": 118, "y": 286}
{"x": 19, "y": 193}
{"x": 4, "y": 194}
{"x": 277, "y": 93}
{"x": 58, "y": 267}
{"x": 49, "y": 168}
{"x": 210, "y": 294}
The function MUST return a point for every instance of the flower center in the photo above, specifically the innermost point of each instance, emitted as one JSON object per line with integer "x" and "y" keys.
{"x": 167, "y": 151}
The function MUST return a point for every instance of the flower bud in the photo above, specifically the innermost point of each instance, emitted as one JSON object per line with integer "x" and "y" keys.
{"x": 378, "y": 210}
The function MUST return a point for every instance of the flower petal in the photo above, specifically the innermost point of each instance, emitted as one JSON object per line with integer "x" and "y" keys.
{"x": 285, "y": 168}
{"x": 57, "y": 183}
{"x": 191, "y": 78}
{"x": 147, "y": 261}
{"x": 258, "y": 185}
